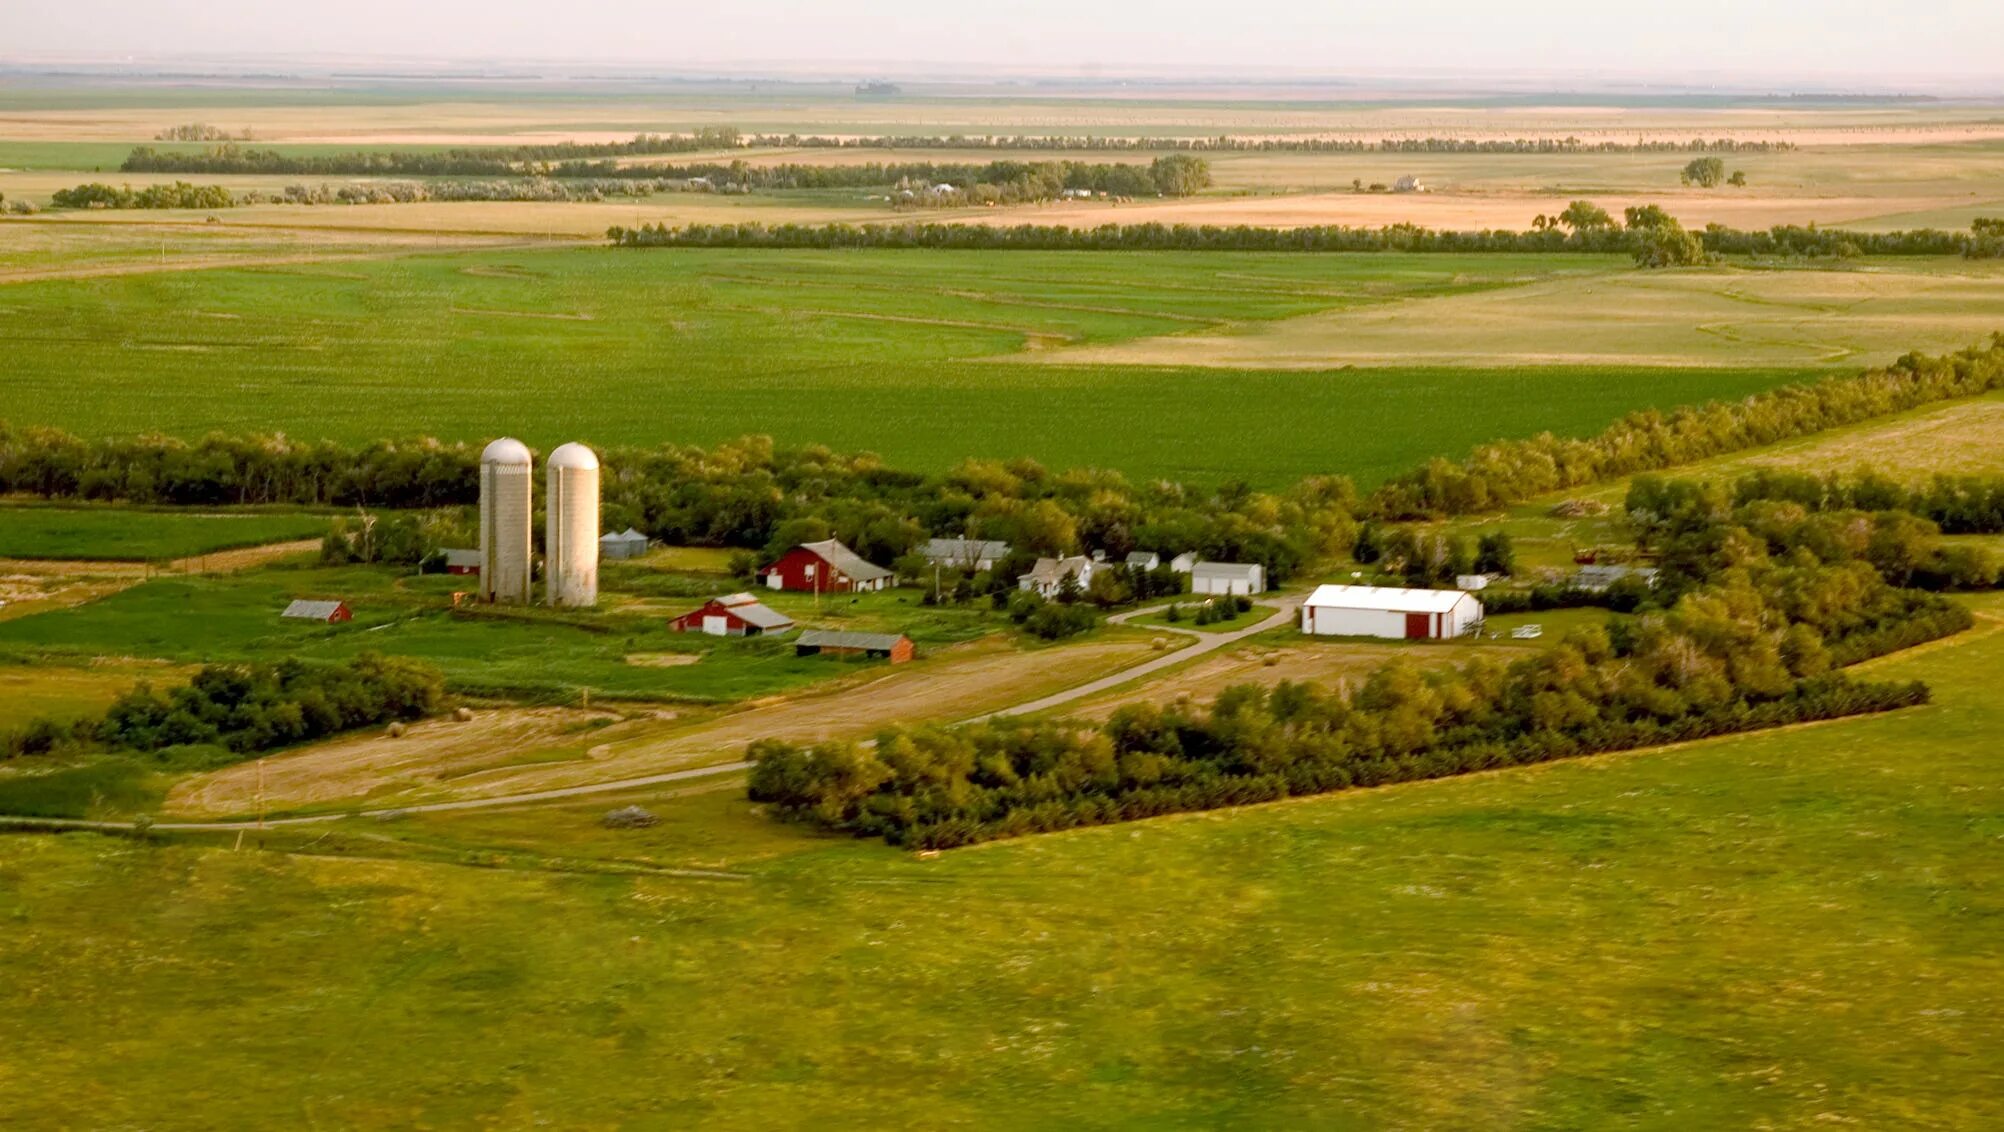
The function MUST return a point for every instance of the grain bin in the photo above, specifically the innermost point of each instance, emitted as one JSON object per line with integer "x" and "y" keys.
{"x": 570, "y": 533}
{"x": 505, "y": 484}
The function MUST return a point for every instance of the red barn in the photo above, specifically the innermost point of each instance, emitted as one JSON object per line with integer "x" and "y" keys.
{"x": 824, "y": 567}
{"x": 462, "y": 561}
{"x": 738, "y": 615}
{"x": 332, "y": 612}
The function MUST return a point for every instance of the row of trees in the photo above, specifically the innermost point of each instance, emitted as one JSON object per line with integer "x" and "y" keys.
{"x": 1727, "y": 658}
{"x": 483, "y": 161}
{"x": 245, "y": 709}
{"x": 1652, "y": 236}
{"x": 1509, "y": 471}
{"x": 1959, "y": 505}
{"x": 180, "y": 194}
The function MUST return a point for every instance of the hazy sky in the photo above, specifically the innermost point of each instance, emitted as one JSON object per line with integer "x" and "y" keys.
{"x": 1869, "y": 42}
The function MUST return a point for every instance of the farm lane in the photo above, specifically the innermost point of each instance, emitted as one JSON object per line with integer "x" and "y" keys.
{"x": 1203, "y": 643}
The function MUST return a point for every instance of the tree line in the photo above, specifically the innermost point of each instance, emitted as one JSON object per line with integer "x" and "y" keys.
{"x": 232, "y": 157}
{"x": 1657, "y": 240}
{"x": 1508, "y": 471}
{"x": 249, "y": 708}
{"x": 181, "y": 194}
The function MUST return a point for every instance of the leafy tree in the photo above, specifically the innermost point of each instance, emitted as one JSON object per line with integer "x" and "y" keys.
{"x": 1586, "y": 216}
{"x": 1705, "y": 172}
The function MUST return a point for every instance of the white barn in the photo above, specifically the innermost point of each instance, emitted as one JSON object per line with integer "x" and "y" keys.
{"x": 1245, "y": 578}
{"x": 1380, "y": 611}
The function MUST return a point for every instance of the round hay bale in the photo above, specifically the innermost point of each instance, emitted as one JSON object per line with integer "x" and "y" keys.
{"x": 1270, "y": 659}
{"x": 628, "y": 817}
{"x": 463, "y": 714}
{"x": 396, "y": 731}
{"x": 1159, "y": 643}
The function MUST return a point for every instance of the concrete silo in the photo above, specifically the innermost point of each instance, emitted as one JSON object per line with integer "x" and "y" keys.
{"x": 505, "y": 484}
{"x": 570, "y": 531}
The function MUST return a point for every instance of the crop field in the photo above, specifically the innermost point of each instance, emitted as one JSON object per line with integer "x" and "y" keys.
{"x": 125, "y": 535}
{"x": 1787, "y": 929}
{"x": 1731, "y": 316}
{"x": 909, "y": 354}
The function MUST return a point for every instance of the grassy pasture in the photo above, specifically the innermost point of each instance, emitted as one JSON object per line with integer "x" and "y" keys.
{"x": 903, "y": 353}
{"x": 124, "y": 535}
{"x": 1787, "y": 930}
{"x": 621, "y": 652}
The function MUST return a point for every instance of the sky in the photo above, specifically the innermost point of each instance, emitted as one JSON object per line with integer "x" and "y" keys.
{"x": 1865, "y": 44}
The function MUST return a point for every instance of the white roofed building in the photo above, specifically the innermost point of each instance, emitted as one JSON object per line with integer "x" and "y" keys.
{"x": 1245, "y": 578}
{"x": 1384, "y": 611}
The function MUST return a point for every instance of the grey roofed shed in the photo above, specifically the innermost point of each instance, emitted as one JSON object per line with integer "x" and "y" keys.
{"x": 312, "y": 610}
{"x": 842, "y": 639}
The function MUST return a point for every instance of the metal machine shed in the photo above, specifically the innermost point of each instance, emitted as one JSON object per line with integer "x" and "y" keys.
{"x": 1384, "y": 611}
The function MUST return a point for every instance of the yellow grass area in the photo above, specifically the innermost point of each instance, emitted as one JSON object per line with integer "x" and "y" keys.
{"x": 47, "y": 692}
{"x": 515, "y": 751}
{"x": 1700, "y": 317}
{"x": 29, "y": 586}
{"x": 98, "y": 244}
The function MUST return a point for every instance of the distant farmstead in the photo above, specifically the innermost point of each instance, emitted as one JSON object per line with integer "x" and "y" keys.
{"x": 894, "y": 647}
{"x": 735, "y": 615}
{"x": 1392, "y": 612}
{"x": 329, "y": 612}
{"x": 825, "y": 567}
{"x": 1244, "y": 578}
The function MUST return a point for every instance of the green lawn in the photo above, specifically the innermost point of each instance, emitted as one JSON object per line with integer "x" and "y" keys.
{"x": 1792, "y": 929}
{"x": 116, "y": 534}
{"x": 526, "y": 652}
{"x": 903, "y": 353}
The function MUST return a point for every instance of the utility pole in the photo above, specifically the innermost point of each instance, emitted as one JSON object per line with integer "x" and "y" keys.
{"x": 260, "y": 803}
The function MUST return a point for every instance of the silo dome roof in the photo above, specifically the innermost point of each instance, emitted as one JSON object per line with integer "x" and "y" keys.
{"x": 574, "y": 455}
{"x": 506, "y": 450}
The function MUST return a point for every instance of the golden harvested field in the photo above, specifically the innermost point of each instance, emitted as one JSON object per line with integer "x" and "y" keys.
{"x": 46, "y": 692}
{"x": 1698, "y": 317}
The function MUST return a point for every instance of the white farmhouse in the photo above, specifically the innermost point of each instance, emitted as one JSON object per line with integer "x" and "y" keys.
{"x": 1380, "y": 611}
{"x": 1047, "y": 577}
{"x": 1245, "y": 578}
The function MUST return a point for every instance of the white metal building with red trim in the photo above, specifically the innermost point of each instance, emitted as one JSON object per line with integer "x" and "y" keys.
{"x": 1383, "y": 611}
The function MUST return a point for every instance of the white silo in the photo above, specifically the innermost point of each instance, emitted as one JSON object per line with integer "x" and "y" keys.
{"x": 570, "y": 527}
{"x": 505, "y": 522}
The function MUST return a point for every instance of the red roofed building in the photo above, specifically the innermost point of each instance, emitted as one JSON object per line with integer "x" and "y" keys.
{"x": 825, "y": 567}
{"x": 737, "y": 615}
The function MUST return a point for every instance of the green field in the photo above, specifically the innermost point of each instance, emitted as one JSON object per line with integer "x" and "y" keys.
{"x": 894, "y": 352}
{"x": 531, "y": 653}
{"x": 120, "y": 535}
{"x": 1790, "y": 929}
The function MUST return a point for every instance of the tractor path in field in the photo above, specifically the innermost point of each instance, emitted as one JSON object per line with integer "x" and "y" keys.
{"x": 1201, "y": 644}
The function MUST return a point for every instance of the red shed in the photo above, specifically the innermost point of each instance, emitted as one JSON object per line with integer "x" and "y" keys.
{"x": 738, "y": 615}
{"x": 462, "y": 561}
{"x": 332, "y": 612}
{"x": 824, "y": 567}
